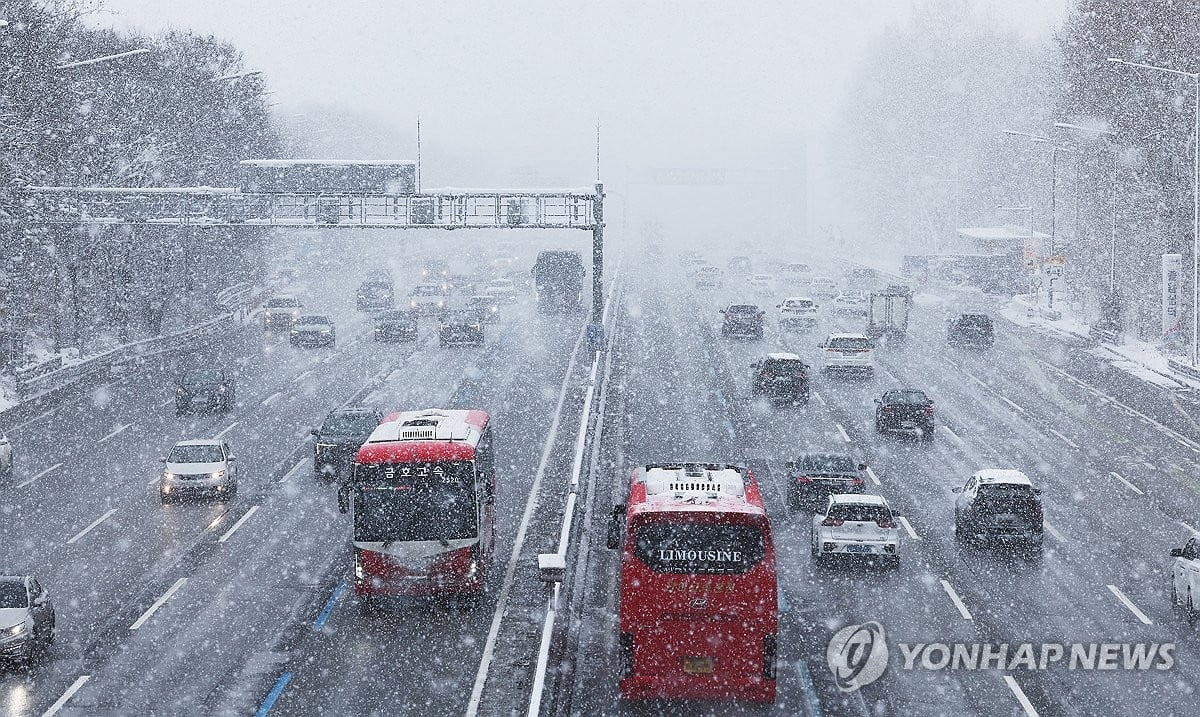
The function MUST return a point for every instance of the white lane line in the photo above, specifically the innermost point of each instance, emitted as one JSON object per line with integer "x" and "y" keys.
{"x": 1020, "y": 695}
{"x": 272, "y": 398}
{"x": 842, "y": 431}
{"x": 819, "y": 399}
{"x": 167, "y": 402}
{"x": 1129, "y": 604}
{"x": 1015, "y": 406}
{"x": 227, "y": 429}
{"x": 85, "y": 531}
{"x": 295, "y": 469}
{"x": 871, "y": 474}
{"x": 909, "y": 529}
{"x": 952, "y": 434}
{"x": 158, "y": 603}
{"x": 1128, "y": 485}
{"x": 303, "y": 376}
{"x": 66, "y": 696}
{"x": 1064, "y": 439}
{"x": 243, "y": 519}
{"x": 1189, "y": 528}
{"x": 974, "y": 378}
{"x": 958, "y": 603}
{"x": 1054, "y": 531}
{"x": 51, "y": 469}
{"x": 117, "y": 432}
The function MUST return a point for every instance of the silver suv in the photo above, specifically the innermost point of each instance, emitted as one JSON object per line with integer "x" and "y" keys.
{"x": 205, "y": 467}
{"x": 26, "y": 618}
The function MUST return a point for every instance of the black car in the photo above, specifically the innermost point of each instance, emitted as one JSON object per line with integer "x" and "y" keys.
{"x": 813, "y": 477}
{"x": 26, "y": 619}
{"x": 487, "y": 307}
{"x": 396, "y": 325}
{"x": 208, "y": 389}
{"x": 972, "y": 331}
{"x": 313, "y": 330}
{"x": 905, "y": 409}
{"x": 460, "y": 326}
{"x": 781, "y": 377}
{"x": 743, "y": 320}
{"x": 339, "y": 438}
{"x": 999, "y": 507}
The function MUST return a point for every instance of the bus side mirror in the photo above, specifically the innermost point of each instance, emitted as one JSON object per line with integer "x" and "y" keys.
{"x": 1176, "y": 552}
{"x": 343, "y": 498}
{"x": 614, "y": 527}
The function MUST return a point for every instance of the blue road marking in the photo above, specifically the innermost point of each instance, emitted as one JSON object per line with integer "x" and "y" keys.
{"x": 329, "y": 605}
{"x": 810, "y": 691}
{"x": 273, "y": 695}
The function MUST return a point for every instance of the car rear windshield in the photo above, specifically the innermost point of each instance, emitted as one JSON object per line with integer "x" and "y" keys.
{"x": 12, "y": 594}
{"x": 858, "y": 512}
{"x": 798, "y": 304}
{"x": 784, "y": 367}
{"x": 850, "y": 342}
{"x": 357, "y": 424}
{"x": 692, "y": 549}
{"x": 195, "y": 454}
{"x": 282, "y": 303}
{"x": 742, "y": 309}
{"x": 911, "y": 397}
{"x": 395, "y": 316}
{"x": 314, "y": 319}
{"x": 825, "y": 463}
{"x": 975, "y": 321}
{"x": 202, "y": 376}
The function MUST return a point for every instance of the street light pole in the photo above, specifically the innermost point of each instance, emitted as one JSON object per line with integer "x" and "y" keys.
{"x": 1055, "y": 147}
{"x": 1195, "y": 77}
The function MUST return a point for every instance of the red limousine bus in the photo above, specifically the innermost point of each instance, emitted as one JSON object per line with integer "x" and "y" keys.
{"x": 422, "y": 497}
{"x": 698, "y": 603}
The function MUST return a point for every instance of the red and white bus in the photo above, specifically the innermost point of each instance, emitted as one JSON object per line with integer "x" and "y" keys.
{"x": 698, "y": 607}
{"x": 422, "y": 494}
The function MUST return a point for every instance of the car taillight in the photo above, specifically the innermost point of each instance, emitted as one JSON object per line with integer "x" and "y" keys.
{"x": 929, "y": 410}
{"x": 886, "y": 523}
{"x": 831, "y": 523}
{"x": 803, "y": 479}
{"x": 856, "y": 481}
{"x": 770, "y": 650}
{"x": 626, "y": 646}
{"x": 887, "y": 409}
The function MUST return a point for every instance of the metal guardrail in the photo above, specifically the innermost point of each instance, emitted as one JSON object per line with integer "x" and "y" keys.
{"x": 1183, "y": 368}
{"x": 1108, "y": 336}
{"x": 234, "y": 297}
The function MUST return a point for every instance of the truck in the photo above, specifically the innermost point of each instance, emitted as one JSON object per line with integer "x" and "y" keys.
{"x": 887, "y": 314}
{"x": 558, "y": 278}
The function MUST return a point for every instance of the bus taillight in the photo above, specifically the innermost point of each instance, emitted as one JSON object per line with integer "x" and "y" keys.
{"x": 770, "y": 650}
{"x": 626, "y": 654}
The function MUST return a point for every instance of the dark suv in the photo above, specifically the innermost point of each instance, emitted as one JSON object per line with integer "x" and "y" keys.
{"x": 972, "y": 331}
{"x": 781, "y": 377}
{"x": 999, "y": 506}
{"x": 905, "y": 409}
{"x": 339, "y": 438}
{"x": 396, "y": 325}
{"x": 208, "y": 389}
{"x": 813, "y": 477}
{"x": 744, "y": 320}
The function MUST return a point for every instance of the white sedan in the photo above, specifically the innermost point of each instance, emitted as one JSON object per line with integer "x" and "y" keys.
{"x": 502, "y": 290}
{"x": 856, "y": 525}
{"x": 1185, "y": 578}
{"x": 850, "y": 303}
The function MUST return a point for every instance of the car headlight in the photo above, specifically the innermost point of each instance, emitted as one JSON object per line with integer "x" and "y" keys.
{"x": 441, "y": 304}
{"x": 218, "y": 475}
{"x": 325, "y": 331}
{"x": 17, "y": 629}
{"x": 167, "y": 475}
{"x": 326, "y": 446}
{"x": 267, "y": 315}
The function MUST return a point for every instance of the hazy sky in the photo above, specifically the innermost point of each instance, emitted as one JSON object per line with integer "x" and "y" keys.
{"x": 725, "y": 83}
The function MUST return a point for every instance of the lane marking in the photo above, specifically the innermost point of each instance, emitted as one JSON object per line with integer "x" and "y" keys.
{"x": 810, "y": 690}
{"x": 1128, "y": 485}
{"x": 953, "y": 436}
{"x": 272, "y": 398}
{"x": 871, "y": 474}
{"x": 1015, "y": 406}
{"x": 295, "y": 469}
{"x": 1129, "y": 604}
{"x": 974, "y": 378}
{"x": 66, "y": 696}
{"x": 243, "y": 519}
{"x": 158, "y": 603}
{"x": 1189, "y": 528}
{"x": 303, "y": 376}
{"x": 909, "y": 529}
{"x": 326, "y": 611}
{"x": 958, "y": 603}
{"x": 842, "y": 431}
{"x": 1054, "y": 531}
{"x": 1064, "y": 439}
{"x": 1020, "y": 695}
{"x": 85, "y": 531}
{"x": 819, "y": 399}
{"x": 166, "y": 403}
{"x": 227, "y": 429}
{"x": 117, "y": 432}
{"x": 273, "y": 695}
{"x": 51, "y": 469}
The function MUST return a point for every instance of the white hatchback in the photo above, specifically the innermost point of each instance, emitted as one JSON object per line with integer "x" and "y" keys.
{"x": 856, "y": 525}
{"x": 503, "y": 290}
{"x": 797, "y": 313}
{"x": 199, "y": 467}
{"x": 848, "y": 353}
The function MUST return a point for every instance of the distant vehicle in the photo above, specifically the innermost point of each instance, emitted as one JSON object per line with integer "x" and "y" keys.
{"x": 314, "y": 176}
{"x": 287, "y": 274}
{"x": 209, "y": 389}
{"x": 461, "y": 283}
{"x": 1185, "y": 578}
{"x": 856, "y": 526}
{"x": 460, "y": 327}
{"x": 26, "y": 619}
{"x": 862, "y": 278}
{"x": 782, "y": 377}
{"x": 279, "y": 312}
{"x": 999, "y": 507}
{"x": 487, "y": 308}
{"x": 814, "y": 476}
{"x": 848, "y": 353}
{"x": 822, "y": 287}
{"x": 396, "y": 325}
{"x": 558, "y": 277}
{"x": 6, "y": 458}
{"x": 422, "y": 499}
{"x": 905, "y": 409}
{"x": 740, "y": 265}
{"x": 199, "y": 467}
{"x": 435, "y": 270}
{"x": 797, "y": 313}
{"x": 887, "y": 314}
{"x": 502, "y": 290}
{"x": 850, "y": 303}
{"x": 974, "y": 331}
{"x": 338, "y": 439}
{"x": 698, "y": 611}
{"x": 428, "y": 298}
{"x": 708, "y": 277}
{"x": 693, "y": 266}
{"x": 796, "y": 273}
{"x": 376, "y": 294}
{"x": 313, "y": 330}
{"x": 904, "y": 289}
{"x": 762, "y": 284}
{"x": 742, "y": 320}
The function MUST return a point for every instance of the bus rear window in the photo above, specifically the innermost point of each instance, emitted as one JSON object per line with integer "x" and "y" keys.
{"x": 694, "y": 548}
